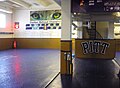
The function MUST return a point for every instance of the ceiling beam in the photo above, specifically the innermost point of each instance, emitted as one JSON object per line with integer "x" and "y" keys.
{"x": 5, "y": 9}
{"x": 45, "y": 2}
{"x": 21, "y": 3}
{"x": 58, "y": 2}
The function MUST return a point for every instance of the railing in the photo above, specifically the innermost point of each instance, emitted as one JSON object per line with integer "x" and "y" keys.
{"x": 93, "y": 34}
{"x": 98, "y": 35}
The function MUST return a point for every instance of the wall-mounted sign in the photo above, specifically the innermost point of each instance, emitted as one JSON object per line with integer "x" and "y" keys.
{"x": 16, "y": 25}
{"x": 95, "y": 49}
{"x": 44, "y": 26}
{"x": 45, "y": 15}
{"x": 95, "y": 6}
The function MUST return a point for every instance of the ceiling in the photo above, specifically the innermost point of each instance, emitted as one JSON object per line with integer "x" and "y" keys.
{"x": 31, "y": 4}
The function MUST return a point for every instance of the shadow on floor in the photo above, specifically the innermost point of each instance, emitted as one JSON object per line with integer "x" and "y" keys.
{"x": 66, "y": 81}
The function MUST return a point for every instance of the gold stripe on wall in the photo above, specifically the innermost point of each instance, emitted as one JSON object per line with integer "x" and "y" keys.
{"x": 117, "y": 44}
{"x": 52, "y": 43}
{"x": 6, "y": 43}
{"x": 66, "y": 47}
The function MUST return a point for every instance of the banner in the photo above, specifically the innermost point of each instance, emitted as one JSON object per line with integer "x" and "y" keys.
{"x": 95, "y": 49}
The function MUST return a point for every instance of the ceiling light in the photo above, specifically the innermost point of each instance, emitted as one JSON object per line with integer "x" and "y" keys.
{"x": 74, "y": 13}
{"x": 117, "y": 14}
{"x": 2, "y": 0}
{"x": 6, "y": 11}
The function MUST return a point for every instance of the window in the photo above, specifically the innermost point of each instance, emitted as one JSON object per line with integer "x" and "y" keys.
{"x": 2, "y": 20}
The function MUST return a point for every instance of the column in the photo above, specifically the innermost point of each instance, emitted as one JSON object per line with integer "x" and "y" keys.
{"x": 66, "y": 40}
{"x": 79, "y": 31}
{"x": 111, "y": 30}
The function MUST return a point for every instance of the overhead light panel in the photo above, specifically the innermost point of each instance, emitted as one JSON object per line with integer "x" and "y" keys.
{"x": 118, "y": 14}
{"x": 6, "y": 11}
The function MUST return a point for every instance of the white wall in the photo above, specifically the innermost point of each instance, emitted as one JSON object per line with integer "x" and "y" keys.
{"x": 103, "y": 28}
{"x": 111, "y": 30}
{"x": 8, "y": 27}
{"x": 23, "y": 17}
{"x": 77, "y": 32}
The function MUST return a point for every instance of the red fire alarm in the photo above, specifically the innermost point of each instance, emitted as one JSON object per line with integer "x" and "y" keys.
{"x": 16, "y": 25}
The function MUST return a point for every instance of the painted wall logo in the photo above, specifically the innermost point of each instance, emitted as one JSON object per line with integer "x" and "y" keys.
{"x": 94, "y": 47}
{"x": 45, "y": 15}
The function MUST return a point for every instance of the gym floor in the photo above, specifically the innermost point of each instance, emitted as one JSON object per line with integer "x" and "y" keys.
{"x": 35, "y": 68}
{"x": 28, "y": 68}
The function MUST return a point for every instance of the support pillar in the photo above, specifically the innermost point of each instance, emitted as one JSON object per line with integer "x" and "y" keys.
{"x": 66, "y": 40}
{"x": 79, "y": 31}
{"x": 111, "y": 30}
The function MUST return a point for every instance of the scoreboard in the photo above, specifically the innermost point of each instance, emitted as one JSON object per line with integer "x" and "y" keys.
{"x": 95, "y": 6}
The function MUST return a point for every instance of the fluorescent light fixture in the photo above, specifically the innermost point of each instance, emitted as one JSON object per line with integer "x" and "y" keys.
{"x": 6, "y": 11}
{"x": 2, "y": 0}
{"x": 117, "y": 14}
{"x": 116, "y": 23}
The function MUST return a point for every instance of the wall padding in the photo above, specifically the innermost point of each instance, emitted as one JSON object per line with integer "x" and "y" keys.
{"x": 6, "y": 43}
{"x": 52, "y": 43}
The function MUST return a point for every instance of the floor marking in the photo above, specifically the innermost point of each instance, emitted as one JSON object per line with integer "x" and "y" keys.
{"x": 52, "y": 80}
